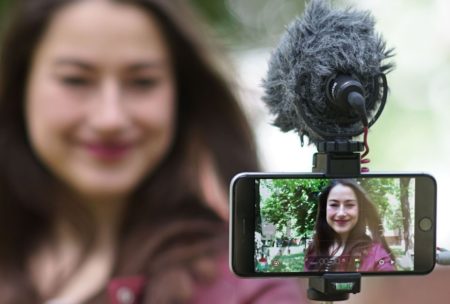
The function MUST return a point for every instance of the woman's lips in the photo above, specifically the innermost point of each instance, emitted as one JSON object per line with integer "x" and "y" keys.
{"x": 108, "y": 151}
{"x": 341, "y": 222}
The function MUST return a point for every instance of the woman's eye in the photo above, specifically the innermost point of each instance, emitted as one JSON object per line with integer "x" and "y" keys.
{"x": 143, "y": 83}
{"x": 75, "y": 81}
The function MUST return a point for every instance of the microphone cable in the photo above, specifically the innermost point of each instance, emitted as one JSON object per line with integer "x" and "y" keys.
{"x": 365, "y": 160}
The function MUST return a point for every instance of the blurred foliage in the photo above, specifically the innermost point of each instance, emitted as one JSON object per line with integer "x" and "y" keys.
{"x": 237, "y": 23}
{"x": 4, "y": 3}
{"x": 249, "y": 23}
{"x": 3, "y": 10}
{"x": 218, "y": 16}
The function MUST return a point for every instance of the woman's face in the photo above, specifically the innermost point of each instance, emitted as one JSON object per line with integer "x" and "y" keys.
{"x": 342, "y": 210}
{"x": 101, "y": 98}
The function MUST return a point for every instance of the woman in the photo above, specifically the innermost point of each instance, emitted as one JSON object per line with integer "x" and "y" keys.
{"x": 349, "y": 234}
{"x": 118, "y": 138}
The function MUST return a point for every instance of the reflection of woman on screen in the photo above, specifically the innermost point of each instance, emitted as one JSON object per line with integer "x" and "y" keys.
{"x": 348, "y": 233}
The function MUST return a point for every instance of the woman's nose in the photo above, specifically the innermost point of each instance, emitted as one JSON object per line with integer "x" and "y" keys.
{"x": 108, "y": 113}
{"x": 341, "y": 211}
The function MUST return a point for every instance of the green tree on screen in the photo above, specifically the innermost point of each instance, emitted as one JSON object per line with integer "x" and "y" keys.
{"x": 379, "y": 190}
{"x": 391, "y": 196}
{"x": 292, "y": 203}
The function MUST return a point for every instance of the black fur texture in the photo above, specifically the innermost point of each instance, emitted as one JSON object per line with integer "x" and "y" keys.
{"x": 323, "y": 43}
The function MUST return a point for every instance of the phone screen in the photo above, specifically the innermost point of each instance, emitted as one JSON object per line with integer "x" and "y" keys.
{"x": 365, "y": 224}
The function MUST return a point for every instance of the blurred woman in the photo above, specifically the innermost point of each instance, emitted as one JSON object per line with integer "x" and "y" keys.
{"x": 118, "y": 138}
{"x": 348, "y": 232}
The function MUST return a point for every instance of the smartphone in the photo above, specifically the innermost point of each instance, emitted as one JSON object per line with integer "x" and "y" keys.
{"x": 310, "y": 224}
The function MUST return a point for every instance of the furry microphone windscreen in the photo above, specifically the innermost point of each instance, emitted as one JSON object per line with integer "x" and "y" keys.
{"x": 322, "y": 43}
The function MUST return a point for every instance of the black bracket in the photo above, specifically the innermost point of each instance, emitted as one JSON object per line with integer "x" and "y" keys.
{"x": 340, "y": 158}
{"x": 334, "y": 286}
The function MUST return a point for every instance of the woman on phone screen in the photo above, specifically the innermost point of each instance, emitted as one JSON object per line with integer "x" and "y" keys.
{"x": 348, "y": 233}
{"x": 118, "y": 137}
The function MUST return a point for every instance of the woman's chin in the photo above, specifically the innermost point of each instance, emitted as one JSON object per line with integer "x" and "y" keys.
{"x": 341, "y": 230}
{"x": 101, "y": 193}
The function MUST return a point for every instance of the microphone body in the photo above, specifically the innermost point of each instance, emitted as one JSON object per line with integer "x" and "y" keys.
{"x": 326, "y": 78}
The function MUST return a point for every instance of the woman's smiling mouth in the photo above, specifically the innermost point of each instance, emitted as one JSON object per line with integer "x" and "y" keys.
{"x": 341, "y": 222}
{"x": 108, "y": 151}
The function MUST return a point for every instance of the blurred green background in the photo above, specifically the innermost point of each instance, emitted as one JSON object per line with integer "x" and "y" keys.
{"x": 411, "y": 135}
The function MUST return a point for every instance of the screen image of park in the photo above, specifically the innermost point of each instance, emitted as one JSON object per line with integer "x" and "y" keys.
{"x": 287, "y": 234}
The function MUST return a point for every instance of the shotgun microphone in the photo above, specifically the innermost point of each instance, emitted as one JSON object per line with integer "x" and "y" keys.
{"x": 326, "y": 79}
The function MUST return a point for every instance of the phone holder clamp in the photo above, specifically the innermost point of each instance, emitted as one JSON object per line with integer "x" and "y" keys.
{"x": 336, "y": 158}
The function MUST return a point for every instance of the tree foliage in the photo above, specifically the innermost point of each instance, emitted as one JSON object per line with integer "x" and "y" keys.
{"x": 380, "y": 190}
{"x": 292, "y": 203}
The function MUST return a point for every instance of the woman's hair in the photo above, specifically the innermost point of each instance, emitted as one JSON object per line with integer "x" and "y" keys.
{"x": 168, "y": 227}
{"x": 368, "y": 221}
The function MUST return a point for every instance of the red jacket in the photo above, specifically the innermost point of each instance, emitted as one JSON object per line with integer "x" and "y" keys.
{"x": 226, "y": 289}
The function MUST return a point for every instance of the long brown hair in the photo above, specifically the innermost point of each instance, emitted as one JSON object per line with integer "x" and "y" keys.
{"x": 167, "y": 226}
{"x": 368, "y": 220}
